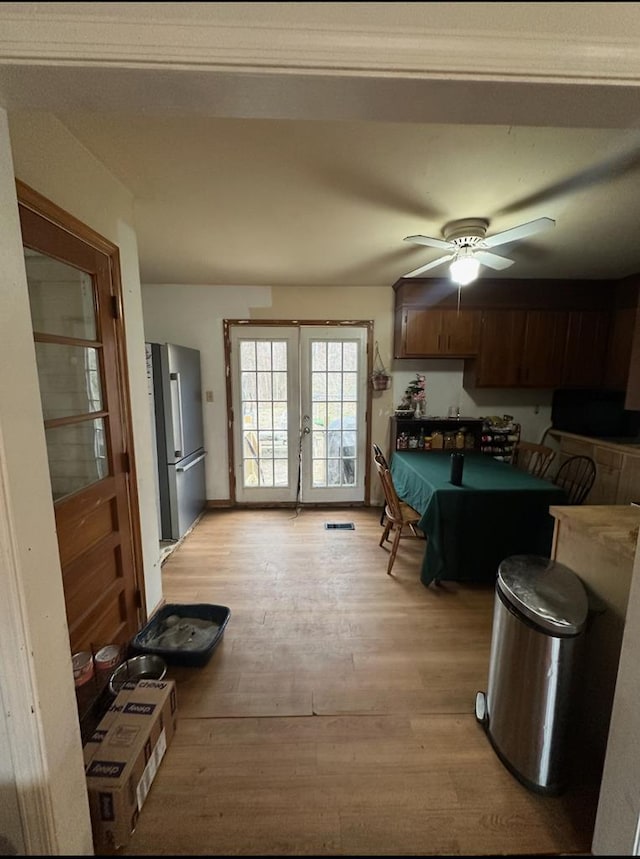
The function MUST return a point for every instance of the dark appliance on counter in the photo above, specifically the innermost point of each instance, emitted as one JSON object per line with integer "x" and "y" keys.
{"x": 597, "y": 413}
{"x": 175, "y": 377}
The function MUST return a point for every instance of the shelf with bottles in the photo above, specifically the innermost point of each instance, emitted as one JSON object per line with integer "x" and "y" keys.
{"x": 433, "y": 433}
{"x": 500, "y": 437}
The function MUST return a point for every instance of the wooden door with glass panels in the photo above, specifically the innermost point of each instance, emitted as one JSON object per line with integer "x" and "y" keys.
{"x": 299, "y": 398}
{"x": 74, "y": 298}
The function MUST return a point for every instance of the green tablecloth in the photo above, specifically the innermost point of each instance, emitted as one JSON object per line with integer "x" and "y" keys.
{"x": 497, "y": 512}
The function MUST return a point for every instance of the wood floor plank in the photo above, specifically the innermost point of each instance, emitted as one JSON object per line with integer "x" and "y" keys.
{"x": 336, "y": 717}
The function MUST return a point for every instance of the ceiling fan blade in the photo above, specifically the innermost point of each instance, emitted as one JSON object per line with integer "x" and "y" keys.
{"x": 432, "y": 264}
{"x": 519, "y": 232}
{"x": 493, "y": 260}
{"x": 432, "y": 243}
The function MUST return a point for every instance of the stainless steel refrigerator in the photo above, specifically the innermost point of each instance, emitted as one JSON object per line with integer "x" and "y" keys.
{"x": 174, "y": 374}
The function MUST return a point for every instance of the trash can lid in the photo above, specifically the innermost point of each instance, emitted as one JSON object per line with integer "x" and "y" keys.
{"x": 546, "y": 592}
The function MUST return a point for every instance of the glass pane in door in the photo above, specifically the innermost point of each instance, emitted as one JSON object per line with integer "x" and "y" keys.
{"x": 61, "y": 297}
{"x": 69, "y": 380}
{"x": 264, "y": 413}
{"x": 334, "y": 396}
{"x": 77, "y": 456}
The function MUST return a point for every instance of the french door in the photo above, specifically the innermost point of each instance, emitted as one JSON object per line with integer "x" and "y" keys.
{"x": 299, "y": 413}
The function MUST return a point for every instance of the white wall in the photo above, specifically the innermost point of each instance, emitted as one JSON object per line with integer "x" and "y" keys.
{"x": 532, "y": 409}
{"x": 193, "y": 315}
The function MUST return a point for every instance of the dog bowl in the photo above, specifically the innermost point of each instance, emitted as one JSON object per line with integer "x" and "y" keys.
{"x": 145, "y": 667}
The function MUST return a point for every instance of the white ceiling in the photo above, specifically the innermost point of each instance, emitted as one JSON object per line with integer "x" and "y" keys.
{"x": 249, "y": 177}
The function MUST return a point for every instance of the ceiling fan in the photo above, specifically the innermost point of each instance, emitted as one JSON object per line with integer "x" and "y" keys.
{"x": 466, "y": 242}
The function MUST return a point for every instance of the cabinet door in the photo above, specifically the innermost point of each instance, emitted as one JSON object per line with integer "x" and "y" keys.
{"x": 629, "y": 483}
{"x": 461, "y": 332}
{"x": 422, "y": 332}
{"x": 434, "y": 333}
{"x": 585, "y": 347}
{"x": 543, "y": 352}
{"x": 501, "y": 338}
{"x": 618, "y": 359}
{"x": 609, "y": 465}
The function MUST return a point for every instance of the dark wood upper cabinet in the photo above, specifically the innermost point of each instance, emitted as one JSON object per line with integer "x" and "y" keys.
{"x": 525, "y": 334}
{"x": 437, "y": 333}
{"x": 543, "y": 348}
{"x": 585, "y": 348}
{"x": 499, "y": 361}
{"x": 519, "y": 348}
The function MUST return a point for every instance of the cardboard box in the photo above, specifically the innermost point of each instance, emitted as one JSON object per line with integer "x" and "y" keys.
{"x": 123, "y": 756}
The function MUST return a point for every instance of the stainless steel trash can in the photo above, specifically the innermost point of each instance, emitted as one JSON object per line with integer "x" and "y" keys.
{"x": 539, "y": 618}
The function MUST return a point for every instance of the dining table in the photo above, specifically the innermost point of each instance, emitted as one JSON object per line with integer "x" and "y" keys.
{"x": 497, "y": 511}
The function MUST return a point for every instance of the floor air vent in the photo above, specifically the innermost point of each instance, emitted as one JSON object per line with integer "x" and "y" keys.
{"x": 339, "y": 526}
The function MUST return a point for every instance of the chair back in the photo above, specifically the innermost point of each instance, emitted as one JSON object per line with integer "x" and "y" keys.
{"x": 534, "y": 458}
{"x": 378, "y": 455}
{"x": 576, "y": 476}
{"x": 393, "y": 509}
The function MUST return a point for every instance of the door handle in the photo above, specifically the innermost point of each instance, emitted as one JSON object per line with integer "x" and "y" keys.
{"x": 175, "y": 377}
{"x": 191, "y": 464}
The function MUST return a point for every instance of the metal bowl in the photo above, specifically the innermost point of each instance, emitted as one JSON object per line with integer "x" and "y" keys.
{"x": 145, "y": 667}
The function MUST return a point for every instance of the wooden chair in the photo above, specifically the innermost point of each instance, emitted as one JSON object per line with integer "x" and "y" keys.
{"x": 576, "y": 476}
{"x": 379, "y": 458}
{"x": 378, "y": 455}
{"x": 534, "y": 458}
{"x": 398, "y": 515}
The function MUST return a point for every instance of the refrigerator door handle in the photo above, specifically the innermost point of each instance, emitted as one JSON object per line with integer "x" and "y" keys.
{"x": 181, "y": 468}
{"x": 175, "y": 377}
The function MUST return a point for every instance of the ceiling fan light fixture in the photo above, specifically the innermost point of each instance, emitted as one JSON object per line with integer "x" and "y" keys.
{"x": 464, "y": 269}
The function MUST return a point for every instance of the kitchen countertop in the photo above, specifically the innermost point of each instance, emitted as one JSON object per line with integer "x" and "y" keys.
{"x": 613, "y": 526}
{"x": 626, "y": 445}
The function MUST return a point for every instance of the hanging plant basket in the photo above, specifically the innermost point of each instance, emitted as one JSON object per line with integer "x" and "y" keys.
{"x": 380, "y": 378}
{"x": 380, "y": 381}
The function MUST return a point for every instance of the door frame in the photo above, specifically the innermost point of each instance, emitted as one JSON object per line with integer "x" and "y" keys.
{"x": 228, "y": 324}
{"x": 30, "y": 199}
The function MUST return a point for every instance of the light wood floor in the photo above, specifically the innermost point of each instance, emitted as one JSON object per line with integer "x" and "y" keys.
{"x": 336, "y": 717}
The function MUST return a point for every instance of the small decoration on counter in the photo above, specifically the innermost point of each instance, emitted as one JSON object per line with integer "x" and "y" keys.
{"x": 415, "y": 395}
{"x": 380, "y": 378}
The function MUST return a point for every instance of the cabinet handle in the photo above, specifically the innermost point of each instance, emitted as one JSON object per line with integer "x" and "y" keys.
{"x": 439, "y": 346}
